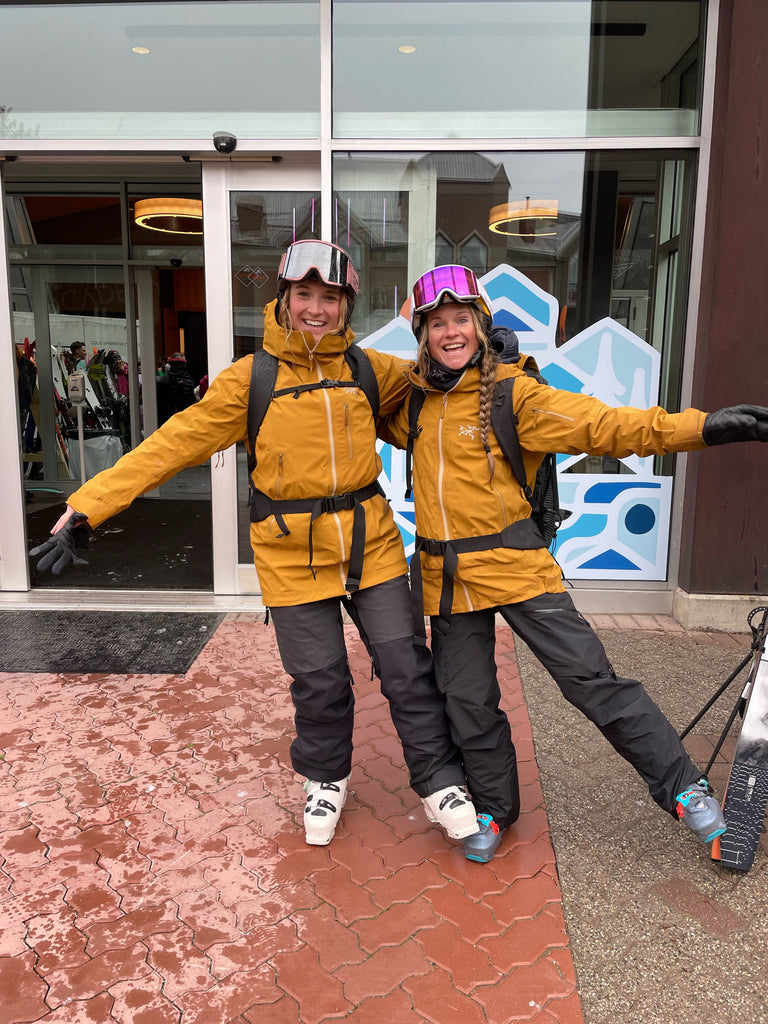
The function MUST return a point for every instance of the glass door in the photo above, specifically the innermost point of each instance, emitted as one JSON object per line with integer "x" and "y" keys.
{"x": 252, "y": 213}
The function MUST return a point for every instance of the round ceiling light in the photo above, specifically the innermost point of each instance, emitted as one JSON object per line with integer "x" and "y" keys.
{"x": 174, "y": 216}
{"x": 528, "y": 219}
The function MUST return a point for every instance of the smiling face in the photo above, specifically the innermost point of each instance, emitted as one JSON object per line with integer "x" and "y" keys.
{"x": 314, "y": 307}
{"x": 451, "y": 335}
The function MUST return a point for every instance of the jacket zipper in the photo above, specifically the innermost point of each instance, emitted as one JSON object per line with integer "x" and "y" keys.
{"x": 440, "y": 485}
{"x": 335, "y": 480}
{"x": 441, "y": 466}
{"x": 348, "y": 425}
{"x": 279, "y": 474}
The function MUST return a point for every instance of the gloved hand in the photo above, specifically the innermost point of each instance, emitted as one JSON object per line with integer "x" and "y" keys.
{"x": 736, "y": 423}
{"x": 505, "y": 342}
{"x": 59, "y": 553}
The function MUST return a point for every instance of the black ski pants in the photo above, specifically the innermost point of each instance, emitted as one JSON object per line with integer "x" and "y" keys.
{"x": 310, "y": 638}
{"x": 572, "y": 653}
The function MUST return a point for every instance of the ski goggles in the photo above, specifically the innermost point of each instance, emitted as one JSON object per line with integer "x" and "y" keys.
{"x": 331, "y": 264}
{"x": 454, "y": 282}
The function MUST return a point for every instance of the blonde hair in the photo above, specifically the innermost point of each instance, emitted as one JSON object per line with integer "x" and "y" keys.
{"x": 283, "y": 317}
{"x": 489, "y": 360}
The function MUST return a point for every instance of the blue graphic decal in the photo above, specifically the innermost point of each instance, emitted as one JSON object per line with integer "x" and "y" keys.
{"x": 585, "y": 525}
{"x": 610, "y": 559}
{"x": 506, "y": 319}
{"x": 608, "y": 491}
{"x": 640, "y": 519}
{"x": 560, "y": 378}
{"x": 519, "y": 294}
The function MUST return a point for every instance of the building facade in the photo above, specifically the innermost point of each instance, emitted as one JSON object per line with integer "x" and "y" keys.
{"x": 157, "y": 158}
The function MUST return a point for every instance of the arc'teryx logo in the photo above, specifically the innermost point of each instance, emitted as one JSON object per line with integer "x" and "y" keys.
{"x": 468, "y": 431}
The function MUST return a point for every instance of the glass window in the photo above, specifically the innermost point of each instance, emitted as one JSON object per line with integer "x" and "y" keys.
{"x": 262, "y": 226}
{"x": 586, "y": 256}
{"x": 166, "y": 226}
{"x": 160, "y": 70}
{"x": 523, "y": 68}
{"x": 47, "y": 226}
{"x": 77, "y": 317}
{"x": 603, "y": 234}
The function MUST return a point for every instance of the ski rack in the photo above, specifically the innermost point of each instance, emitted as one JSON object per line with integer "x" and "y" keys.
{"x": 757, "y": 647}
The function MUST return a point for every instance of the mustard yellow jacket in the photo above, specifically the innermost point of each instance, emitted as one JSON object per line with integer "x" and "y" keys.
{"x": 319, "y": 444}
{"x": 455, "y": 496}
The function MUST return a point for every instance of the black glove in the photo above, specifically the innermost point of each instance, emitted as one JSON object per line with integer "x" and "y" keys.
{"x": 504, "y": 341}
{"x": 737, "y": 423}
{"x": 59, "y": 551}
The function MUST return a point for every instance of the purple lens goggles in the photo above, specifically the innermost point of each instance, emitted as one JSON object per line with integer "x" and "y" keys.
{"x": 458, "y": 282}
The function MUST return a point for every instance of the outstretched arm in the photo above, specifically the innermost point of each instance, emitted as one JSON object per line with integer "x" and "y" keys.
{"x": 187, "y": 439}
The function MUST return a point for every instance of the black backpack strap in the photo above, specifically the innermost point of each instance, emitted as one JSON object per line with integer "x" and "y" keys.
{"x": 263, "y": 380}
{"x": 415, "y": 402}
{"x": 504, "y": 423}
{"x": 358, "y": 361}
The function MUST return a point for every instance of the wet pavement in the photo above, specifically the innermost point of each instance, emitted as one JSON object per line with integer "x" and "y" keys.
{"x": 153, "y": 866}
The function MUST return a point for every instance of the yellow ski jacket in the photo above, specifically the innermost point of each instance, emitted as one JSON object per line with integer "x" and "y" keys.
{"x": 455, "y": 497}
{"x": 318, "y": 444}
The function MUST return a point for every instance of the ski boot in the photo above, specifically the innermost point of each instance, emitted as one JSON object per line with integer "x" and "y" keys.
{"x": 452, "y": 808}
{"x": 485, "y": 842}
{"x": 698, "y": 809}
{"x": 323, "y": 809}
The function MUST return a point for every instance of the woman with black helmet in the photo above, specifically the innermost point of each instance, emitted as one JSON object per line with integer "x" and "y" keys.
{"x": 315, "y": 449}
{"x": 483, "y": 555}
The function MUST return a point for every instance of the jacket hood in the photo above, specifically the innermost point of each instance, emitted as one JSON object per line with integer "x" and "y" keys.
{"x": 300, "y": 347}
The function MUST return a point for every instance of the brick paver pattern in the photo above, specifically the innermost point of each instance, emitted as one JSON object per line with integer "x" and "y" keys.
{"x": 153, "y": 868}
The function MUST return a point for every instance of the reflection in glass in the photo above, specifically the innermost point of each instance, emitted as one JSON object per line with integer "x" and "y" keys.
{"x": 160, "y": 70}
{"x": 65, "y": 319}
{"x": 171, "y": 233}
{"x": 525, "y": 68}
{"x": 262, "y": 226}
{"x": 618, "y": 246}
{"x": 49, "y": 226}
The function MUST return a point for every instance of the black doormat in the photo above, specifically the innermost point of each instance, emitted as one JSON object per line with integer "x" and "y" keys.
{"x": 81, "y": 642}
{"x": 155, "y": 544}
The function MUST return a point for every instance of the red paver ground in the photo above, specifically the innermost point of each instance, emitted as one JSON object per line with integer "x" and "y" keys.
{"x": 153, "y": 866}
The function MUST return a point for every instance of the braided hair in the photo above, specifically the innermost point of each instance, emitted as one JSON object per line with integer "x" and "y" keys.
{"x": 488, "y": 363}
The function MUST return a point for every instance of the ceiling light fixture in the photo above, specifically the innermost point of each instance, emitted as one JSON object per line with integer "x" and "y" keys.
{"x": 140, "y": 49}
{"x": 174, "y": 216}
{"x": 528, "y": 219}
{"x": 406, "y": 49}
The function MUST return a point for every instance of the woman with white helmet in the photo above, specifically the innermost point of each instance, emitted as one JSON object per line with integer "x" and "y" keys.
{"x": 323, "y": 535}
{"x": 480, "y": 553}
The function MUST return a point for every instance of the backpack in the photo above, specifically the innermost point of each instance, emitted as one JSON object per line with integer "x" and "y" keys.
{"x": 544, "y": 499}
{"x": 261, "y": 393}
{"x": 182, "y": 389}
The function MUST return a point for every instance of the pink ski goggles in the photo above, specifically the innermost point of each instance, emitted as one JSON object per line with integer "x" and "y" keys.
{"x": 448, "y": 282}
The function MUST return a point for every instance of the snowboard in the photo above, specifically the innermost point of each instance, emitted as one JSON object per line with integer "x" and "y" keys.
{"x": 746, "y": 796}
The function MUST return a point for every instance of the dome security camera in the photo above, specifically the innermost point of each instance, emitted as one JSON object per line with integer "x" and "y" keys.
{"x": 224, "y": 142}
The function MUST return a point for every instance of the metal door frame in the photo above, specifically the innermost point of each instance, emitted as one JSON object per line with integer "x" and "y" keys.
{"x": 299, "y": 172}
